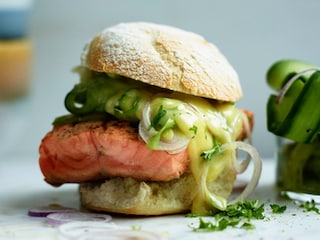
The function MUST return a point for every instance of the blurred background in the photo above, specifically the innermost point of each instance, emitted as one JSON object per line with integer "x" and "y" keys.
{"x": 251, "y": 34}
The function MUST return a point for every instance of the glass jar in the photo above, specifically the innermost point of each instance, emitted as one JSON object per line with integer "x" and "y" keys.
{"x": 298, "y": 169}
{"x": 16, "y": 49}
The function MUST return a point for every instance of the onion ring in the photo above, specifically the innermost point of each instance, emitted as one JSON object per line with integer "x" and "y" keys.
{"x": 73, "y": 230}
{"x": 178, "y": 143}
{"x": 257, "y": 168}
{"x": 121, "y": 235}
{"x": 46, "y": 210}
{"x": 221, "y": 203}
{"x": 285, "y": 88}
{"x": 65, "y": 217}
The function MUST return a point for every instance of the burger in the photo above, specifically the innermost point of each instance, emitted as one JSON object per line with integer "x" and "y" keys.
{"x": 152, "y": 127}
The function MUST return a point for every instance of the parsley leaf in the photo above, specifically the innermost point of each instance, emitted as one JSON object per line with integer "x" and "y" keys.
{"x": 250, "y": 209}
{"x": 277, "y": 208}
{"x": 191, "y": 215}
{"x": 194, "y": 129}
{"x": 235, "y": 215}
{"x": 219, "y": 225}
{"x": 248, "y": 226}
{"x": 310, "y": 206}
{"x": 156, "y": 119}
{"x": 240, "y": 214}
{"x": 207, "y": 155}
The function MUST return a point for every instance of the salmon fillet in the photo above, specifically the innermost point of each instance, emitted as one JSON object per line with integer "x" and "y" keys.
{"x": 92, "y": 151}
{"x": 246, "y": 130}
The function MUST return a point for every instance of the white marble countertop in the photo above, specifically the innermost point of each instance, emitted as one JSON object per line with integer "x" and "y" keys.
{"x": 22, "y": 188}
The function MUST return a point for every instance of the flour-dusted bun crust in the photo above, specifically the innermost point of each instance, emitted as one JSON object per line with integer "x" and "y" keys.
{"x": 163, "y": 56}
{"x": 169, "y": 58}
{"x": 129, "y": 196}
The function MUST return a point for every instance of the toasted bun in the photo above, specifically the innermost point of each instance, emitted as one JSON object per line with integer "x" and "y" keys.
{"x": 166, "y": 57}
{"x": 129, "y": 196}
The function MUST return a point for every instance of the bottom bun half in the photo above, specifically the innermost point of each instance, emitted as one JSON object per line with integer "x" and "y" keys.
{"x": 129, "y": 196}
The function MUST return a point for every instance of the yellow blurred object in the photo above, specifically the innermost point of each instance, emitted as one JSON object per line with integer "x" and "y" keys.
{"x": 15, "y": 67}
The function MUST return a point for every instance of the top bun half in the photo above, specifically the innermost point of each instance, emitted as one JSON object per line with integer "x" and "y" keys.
{"x": 163, "y": 56}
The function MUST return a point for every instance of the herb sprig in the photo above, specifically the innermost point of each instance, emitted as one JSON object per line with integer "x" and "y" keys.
{"x": 208, "y": 154}
{"x": 236, "y": 215}
{"x": 219, "y": 225}
{"x": 310, "y": 206}
{"x": 240, "y": 214}
{"x": 277, "y": 208}
{"x": 156, "y": 120}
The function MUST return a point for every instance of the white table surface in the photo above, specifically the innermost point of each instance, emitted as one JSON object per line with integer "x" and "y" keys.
{"x": 22, "y": 188}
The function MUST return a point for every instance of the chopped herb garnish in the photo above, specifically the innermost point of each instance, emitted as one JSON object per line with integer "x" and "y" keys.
{"x": 235, "y": 215}
{"x": 310, "y": 206}
{"x": 194, "y": 129}
{"x": 277, "y": 208}
{"x": 240, "y": 214}
{"x": 248, "y": 226}
{"x": 191, "y": 215}
{"x": 208, "y": 155}
{"x": 156, "y": 120}
{"x": 249, "y": 209}
{"x": 136, "y": 228}
{"x": 218, "y": 225}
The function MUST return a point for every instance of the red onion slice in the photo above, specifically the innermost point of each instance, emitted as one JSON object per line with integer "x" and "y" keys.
{"x": 46, "y": 210}
{"x": 176, "y": 145}
{"x": 73, "y": 230}
{"x": 65, "y": 217}
{"x": 102, "y": 230}
{"x": 257, "y": 168}
{"x": 285, "y": 88}
{"x": 239, "y": 186}
{"x": 121, "y": 235}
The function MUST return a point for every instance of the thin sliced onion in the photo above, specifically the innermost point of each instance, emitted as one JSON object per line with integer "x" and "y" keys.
{"x": 25, "y": 230}
{"x": 241, "y": 167}
{"x": 46, "y": 210}
{"x": 121, "y": 235}
{"x": 257, "y": 167}
{"x": 178, "y": 143}
{"x": 239, "y": 186}
{"x": 65, "y": 217}
{"x": 73, "y": 230}
{"x": 285, "y": 88}
{"x": 220, "y": 202}
{"x": 102, "y": 230}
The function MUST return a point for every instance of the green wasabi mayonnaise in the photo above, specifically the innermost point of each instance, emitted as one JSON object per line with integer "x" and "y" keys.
{"x": 99, "y": 92}
{"x": 220, "y": 124}
{"x": 206, "y": 125}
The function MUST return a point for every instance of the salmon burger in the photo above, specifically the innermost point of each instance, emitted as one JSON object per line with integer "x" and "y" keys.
{"x": 152, "y": 127}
